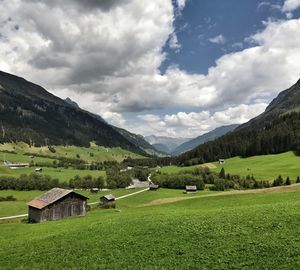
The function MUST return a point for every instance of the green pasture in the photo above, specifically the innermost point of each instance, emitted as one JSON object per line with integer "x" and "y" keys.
{"x": 60, "y": 173}
{"x": 226, "y": 231}
{"x": 19, "y": 206}
{"x": 94, "y": 153}
{"x": 266, "y": 167}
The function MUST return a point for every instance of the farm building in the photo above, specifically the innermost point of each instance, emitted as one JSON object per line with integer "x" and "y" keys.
{"x": 94, "y": 190}
{"x": 15, "y": 165}
{"x": 38, "y": 169}
{"x": 190, "y": 189}
{"x": 153, "y": 187}
{"x": 221, "y": 161}
{"x": 56, "y": 204}
{"x": 108, "y": 201}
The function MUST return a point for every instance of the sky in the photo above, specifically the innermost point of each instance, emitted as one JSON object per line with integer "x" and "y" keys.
{"x": 177, "y": 68}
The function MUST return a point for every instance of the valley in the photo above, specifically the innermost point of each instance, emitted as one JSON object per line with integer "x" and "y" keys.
{"x": 242, "y": 229}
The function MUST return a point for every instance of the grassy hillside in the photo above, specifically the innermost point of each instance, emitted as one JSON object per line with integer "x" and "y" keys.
{"x": 61, "y": 174}
{"x": 20, "y": 153}
{"x": 248, "y": 231}
{"x": 266, "y": 167}
{"x": 94, "y": 153}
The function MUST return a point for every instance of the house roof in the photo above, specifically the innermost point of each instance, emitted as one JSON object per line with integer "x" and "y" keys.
{"x": 190, "y": 187}
{"x": 109, "y": 197}
{"x": 50, "y": 197}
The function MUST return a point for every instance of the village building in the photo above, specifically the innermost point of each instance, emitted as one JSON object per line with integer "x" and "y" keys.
{"x": 221, "y": 161}
{"x": 108, "y": 201}
{"x": 191, "y": 189}
{"x": 153, "y": 187}
{"x": 94, "y": 190}
{"x": 56, "y": 204}
{"x": 38, "y": 169}
{"x": 15, "y": 165}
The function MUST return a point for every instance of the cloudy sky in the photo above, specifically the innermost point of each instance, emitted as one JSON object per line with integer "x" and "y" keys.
{"x": 174, "y": 67}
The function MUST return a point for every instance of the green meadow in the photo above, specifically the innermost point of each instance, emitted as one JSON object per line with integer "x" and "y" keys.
{"x": 62, "y": 174}
{"x": 20, "y": 153}
{"x": 166, "y": 229}
{"x": 266, "y": 167}
{"x": 94, "y": 153}
{"x": 19, "y": 206}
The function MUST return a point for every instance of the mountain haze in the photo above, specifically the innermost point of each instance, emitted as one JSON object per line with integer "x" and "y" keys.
{"x": 212, "y": 135}
{"x": 165, "y": 144}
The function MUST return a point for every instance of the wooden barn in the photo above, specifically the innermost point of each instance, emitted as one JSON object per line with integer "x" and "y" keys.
{"x": 56, "y": 204}
{"x": 191, "y": 189}
{"x": 108, "y": 201}
{"x": 153, "y": 187}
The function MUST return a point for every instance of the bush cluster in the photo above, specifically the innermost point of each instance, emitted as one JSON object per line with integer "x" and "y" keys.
{"x": 9, "y": 198}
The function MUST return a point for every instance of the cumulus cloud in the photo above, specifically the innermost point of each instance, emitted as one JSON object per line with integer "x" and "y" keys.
{"x": 193, "y": 124}
{"x": 220, "y": 39}
{"x": 106, "y": 56}
{"x": 290, "y": 5}
{"x": 173, "y": 42}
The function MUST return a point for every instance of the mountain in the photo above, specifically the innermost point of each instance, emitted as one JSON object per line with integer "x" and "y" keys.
{"x": 31, "y": 114}
{"x": 210, "y": 136}
{"x": 139, "y": 141}
{"x": 275, "y": 131}
{"x": 165, "y": 144}
{"x": 72, "y": 103}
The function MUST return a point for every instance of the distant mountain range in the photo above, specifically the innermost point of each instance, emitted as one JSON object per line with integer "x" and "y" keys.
{"x": 165, "y": 144}
{"x": 275, "y": 131}
{"x": 30, "y": 114}
{"x": 212, "y": 135}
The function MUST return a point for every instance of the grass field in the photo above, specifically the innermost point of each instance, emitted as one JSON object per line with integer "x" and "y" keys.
{"x": 249, "y": 231}
{"x": 19, "y": 206}
{"x": 59, "y": 173}
{"x": 262, "y": 167}
{"x": 94, "y": 153}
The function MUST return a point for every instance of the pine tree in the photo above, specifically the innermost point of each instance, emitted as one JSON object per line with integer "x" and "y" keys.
{"x": 222, "y": 173}
{"x": 287, "y": 181}
{"x": 298, "y": 179}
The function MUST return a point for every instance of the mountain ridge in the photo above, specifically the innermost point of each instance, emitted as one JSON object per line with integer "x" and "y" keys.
{"x": 276, "y": 130}
{"x": 209, "y": 136}
{"x": 29, "y": 113}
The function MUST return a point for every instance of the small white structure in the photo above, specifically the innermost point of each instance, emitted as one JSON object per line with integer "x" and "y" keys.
{"x": 190, "y": 189}
{"x": 38, "y": 169}
{"x": 221, "y": 161}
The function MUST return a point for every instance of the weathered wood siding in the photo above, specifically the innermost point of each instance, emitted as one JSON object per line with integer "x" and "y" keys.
{"x": 70, "y": 205}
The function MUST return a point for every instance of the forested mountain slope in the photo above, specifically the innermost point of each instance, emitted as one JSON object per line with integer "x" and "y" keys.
{"x": 30, "y": 114}
{"x": 276, "y": 130}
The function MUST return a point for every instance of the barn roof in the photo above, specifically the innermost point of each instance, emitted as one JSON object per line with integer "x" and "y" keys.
{"x": 50, "y": 197}
{"x": 109, "y": 197}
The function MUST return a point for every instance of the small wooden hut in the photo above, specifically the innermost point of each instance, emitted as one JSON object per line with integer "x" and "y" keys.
{"x": 56, "y": 204}
{"x": 191, "y": 189}
{"x": 108, "y": 201}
